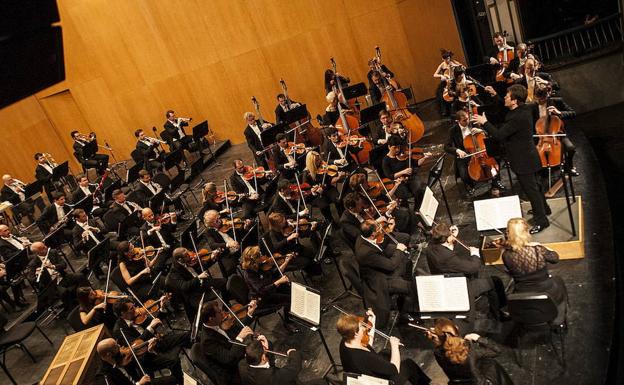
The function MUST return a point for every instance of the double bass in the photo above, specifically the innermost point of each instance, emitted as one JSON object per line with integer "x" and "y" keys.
{"x": 305, "y": 130}
{"x": 396, "y": 102}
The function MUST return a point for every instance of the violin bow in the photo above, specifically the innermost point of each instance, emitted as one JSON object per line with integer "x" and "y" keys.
{"x": 107, "y": 280}
{"x": 273, "y": 258}
{"x": 409, "y": 150}
{"x": 132, "y": 351}
{"x": 143, "y": 249}
{"x": 301, "y": 192}
{"x": 433, "y": 221}
{"x": 383, "y": 185}
{"x": 374, "y": 329}
{"x": 371, "y": 201}
{"x": 265, "y": 350}
{"x": 201, "y": 266}
{"x": 227, "y": 307}
{"x": 227, "y": 204}
{"x": 297, "y": 219}
{"x": 197, "y": 317}
{"x": 255, "y": 178}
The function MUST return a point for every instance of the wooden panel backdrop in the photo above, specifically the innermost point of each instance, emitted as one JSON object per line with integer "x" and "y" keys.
{"x": 128, "y": 61}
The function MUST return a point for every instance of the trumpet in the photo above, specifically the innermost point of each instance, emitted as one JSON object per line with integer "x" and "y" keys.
{"x": 49, "y": 159}
{"x": 85, "y": 137}
{"x": 180, "y": 119}
{"x": 154, "y": 140}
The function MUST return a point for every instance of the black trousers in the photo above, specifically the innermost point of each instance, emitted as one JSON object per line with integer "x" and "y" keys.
{"x": 569, "y": 150}
{"x": 410, "y": 371}
{"x": 531, "y": 186}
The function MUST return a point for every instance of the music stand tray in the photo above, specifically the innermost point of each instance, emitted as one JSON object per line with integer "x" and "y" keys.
{"x": 133, "y": 173}
{"x": 176, "y": 182}
{"x": 85, "y": 203}
{"x": 98, "y": 253}
{"x": 296, "y": 114}
{"x": 16, "y": 264}
{"x": 157, "y": 200}
{"x": 60, "y": 171}
{"x": 354, "y": 91}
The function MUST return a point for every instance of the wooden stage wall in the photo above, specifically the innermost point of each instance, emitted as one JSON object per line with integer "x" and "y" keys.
{"x": 128, "y": 61}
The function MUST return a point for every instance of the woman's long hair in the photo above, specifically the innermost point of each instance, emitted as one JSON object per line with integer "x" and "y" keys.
{"x": 249, "y": 258}
{"x": 311, "y": 159}
{"x": 455, "y": 349}
{"x": 517, "y": 233}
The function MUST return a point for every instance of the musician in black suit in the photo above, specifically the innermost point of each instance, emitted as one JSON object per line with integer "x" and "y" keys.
{"x": 338, "y": 155}
{"x": 545, "y": 104}
{"x": 252, "y": 135}
{"x": 500, "y": 44}
{"x": 285, "y": 201}
{"x": 163, "y": 351}
{"x": 516, "y": 135}
{"x": 376, "y": 87}
{"x": 283, "y": 106}
{"x": 251, "y": 202}
{"x": 285, "y": 162}
{"x": 86, "y": 232}
{"x": 257, "y": 369}
{"x": 10, "y": 245}
{"x": 175, "y": 128}
{"x": 148, "y": 150}
{"x": 43, "y": 173}
{"x": 112, "y": 370}
{"x": 149, "y": 189}
{"x": 222, "y": 241}
{"x": 89, "y": 158}
{"x": 13, "y": 191}
{"x": 120, "y": 210}
{"x": 382, "y": 131}
{"x": 87, "y": 189}
{"x": 351, "y": 219}
{"x": 55, "y": 213}
{"x": 215, "y": 342}
{"x": 159, "y": 233}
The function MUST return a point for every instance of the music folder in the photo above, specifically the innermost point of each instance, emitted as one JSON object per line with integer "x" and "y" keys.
{"x": 496, "y": 212}
{"x": 355, "y": 90}
{"x": 442, "y": 293}
{"x": 305, "y": 303}
{"x": 200, "y": 130}
{"x": 60, "y": 171}
{"x": 295, "y": 114}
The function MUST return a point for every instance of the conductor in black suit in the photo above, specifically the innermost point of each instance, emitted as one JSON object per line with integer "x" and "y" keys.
{"x": 175, "y": 128}
{"x": 252, "y": 133}
{"x": 257, "y": 369}
{"x": 516, "y": 133}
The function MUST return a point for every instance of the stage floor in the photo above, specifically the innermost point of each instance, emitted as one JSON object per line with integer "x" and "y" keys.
{"x": 589, "y": 282}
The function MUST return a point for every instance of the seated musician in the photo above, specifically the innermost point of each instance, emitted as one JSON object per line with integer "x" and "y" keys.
{"x": 467, "y": 360}
{"x": 86, "y": 189}
{"x": 215, "y": 337}
{"x": 13, "y": 192}
{"x": 455, "y": 146}
{"x": 513, "y": 70}
{"x": 158, "y": 232}
{"x": 357, "y": 354}
{"x": 500, "y": 46}
{"x": 174, "y": 126}
{"x": 163, "y": 349}
{"x": 444, "y": 258}
{"x": 93, "y": 309}
{"x": 149, "y": 150}
{"x": 546, "y": 104}
{"x": 136, "y": 270}
{"x": 394, "y": 168}
{"x": 269, "y": 287}
{"x": 253, "y": 137}
{"x": 187, "y": 280}
{"x": 284, "y": 239}
{"x": 531, "y": 79}
{"x": 351, "y": 218}
{"x": 115, "y": 367}
{"x": 122, "y": 209}
{"x": 324, "y": 187}
{"x": 11, "y": 244}
{"x": 378, "y": 265}
{"x": 49, "y": 271}
{"x": 150, "y": 189}
{"x": 332, "y": 114}
{"x": 87, "y": 234}
{"x": 251, "y": 202}
{"x": 283, "y": 106}
{"x": 381, "y": 132}
{"x": 286, "y": 163}
{"x": 221, "y": 240}
{"x": 444, "y": 73}
{"x": 17, "y": 302}
{"x": 458, "y": 89}
{"x": 209, "y": 200}
{"x": 98, "y": 161}
{"x": 285, "y": 201}
{"x": 334, "y": 150}
{"x": 43, "y": 173}
{"x": 55, "y": 213}
{"x": 257, "y": 367}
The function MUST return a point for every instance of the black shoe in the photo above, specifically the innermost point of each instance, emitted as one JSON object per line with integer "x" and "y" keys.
{"x": 573, "y": 172}
{"x": 537, "y": 228}
{"x": 497, "y": 184}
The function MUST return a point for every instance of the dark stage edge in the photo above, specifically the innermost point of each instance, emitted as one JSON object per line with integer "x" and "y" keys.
{"x": 589, "y": 282}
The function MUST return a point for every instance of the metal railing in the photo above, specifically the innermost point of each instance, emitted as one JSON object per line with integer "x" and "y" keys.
{"x": 579, "y": 41}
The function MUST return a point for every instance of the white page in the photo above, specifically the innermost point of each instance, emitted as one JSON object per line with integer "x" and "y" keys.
{"x": 437, "y": 293}
{"x": 305, "y": 304}
{"x": 428, "y": 207}
{"x": 496, "y": 212}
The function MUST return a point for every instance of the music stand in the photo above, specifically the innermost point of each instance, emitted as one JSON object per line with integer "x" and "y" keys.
{"x": 176, "y": 182}
{"x": 268, "y": 135}
{"x": 60, "y": 171}
{"x": 173, "y": 158}
{"x": 98, "y": 253}
{"x": 132, "y": 174}
{"x": 197, "y": 167}
{"x": 33, "y": 188}
{"x": 295, "y": 114}
{"x": 89, "y": 150}
{"x": 187, "y": 233}
{"x": 156, "y": 201}
{"x": 354, "y": 91}
{"x": 435, "y": 175}
{"x": 16, "y": 265}
{"x": 85, "y": 203}
{"x": 200, "y": 130}
{"x": 108, "y": 190}
{"x": 370, "y": 114}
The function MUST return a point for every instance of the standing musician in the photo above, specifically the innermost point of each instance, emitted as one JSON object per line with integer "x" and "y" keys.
{"x": 222, "y": 241}
{"x": 271, "y": 292}
{"x": 251, "y": 202}
{"x": 516, "y": 135}
{"x": 122, "y": 209}
{"x": 215, "y": 337}
{"x": 115, "y": 367}
{"x": 285, "y": 201}
{"x": 136, "y": 270}
{"x": 87, "y": 189}
{"x": 257, "y": 368}
{"x": 43, "y": 173}
{"x": 324, "y": 186}
{"x": 175, "y": 128}
{"x": 163, "y": 349}
{"x": 373, "y": 66}
{"x": 93, "y": 309}
{"x": 336, "y": 151}
{"x": 460, "y": 89}
{"x": 254, "y": 140}
{"x": 377, "y": 88}
{"x": 330, "y": 81}
{"x": 394, "y": 168}
{"x": 444, "y": 73}
{"x": 544, "y": 105}
{"x": 357, "y": 355}
{"x": 149, "y": 150}
{"x": 98, "y": 161}
{"x": 283, "y": 106}
{"x": 13, "y": 191}
{"x": 455, "y": 146}
{"x": 285, "y": 160}
{"x": 159, "y": 231}
{"x": 55, "y": 213}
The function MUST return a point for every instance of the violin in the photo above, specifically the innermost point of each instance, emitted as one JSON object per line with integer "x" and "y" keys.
{"x": 138, "y": 346}
{"x": 164, "y": 218}
{"x": 250, "y": 173}
{"x": 297, "y": 148}
{"x": 138, "y": 253}
{"x": 331, "y": 170}
{"x": 111, "y": 297}
{"x": 202, "y": 255}
{"x": 227, "y": 224}
{"x": 232, "y": 196}
{"x": 375, "y": 189}
{"x": 153, "y": 305}
{"x": 229, "y": 320}
{"x": 294, "y": 194}
{"x": 266, "y": 262}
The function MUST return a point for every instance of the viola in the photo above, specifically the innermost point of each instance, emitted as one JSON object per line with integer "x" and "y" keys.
{"x": 111, "y": 297}
{"x": 481, "y": 166}
{"x": 141, "y": 315}
{"x": 139, "y": 347}
{"x": 249, "y": 173}
{"x": 331, "y": 170}
{"x": 232, "y": 196}
{"x": 294, "y": 194}
{"x": 375, "y": 188}
{"x": 266, "y": 262}
{"x": 227, "y": 224}
{"x": 138, "y": 253}
{"x": 549, "y": 147}
{"x": 202, "y": 255}
{"x": 229, "y": 320}
{"x": 297, "y": 148}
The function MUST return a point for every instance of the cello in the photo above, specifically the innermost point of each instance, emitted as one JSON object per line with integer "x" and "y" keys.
{"x": 481, "y": 166}
{"x": 504, "y": 56}
{"x": 396, "y": 102}
{"x": 549, "y": 128}
{"x": 304, "y": 129}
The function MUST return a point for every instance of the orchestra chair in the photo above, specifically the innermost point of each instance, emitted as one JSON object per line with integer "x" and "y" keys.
{"x": 209, "y": 367}
{"x": 239, "y": 291}
{"x": 533, "y": 315}
{"x": 14, "y": 337}
{"x": 73, "y": 319}
{"x": 137, "y": 157}
{"x": 118, "y": 279}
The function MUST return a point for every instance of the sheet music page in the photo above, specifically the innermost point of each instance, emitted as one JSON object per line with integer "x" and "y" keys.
{"x": 429, "y": 289}
{"x": 428, "y": 207}
{"x": 456, "y": 294}
{"x": 305, "y": 304}
{"x": 363, "y": 379}
{"x": 494, "y": 213}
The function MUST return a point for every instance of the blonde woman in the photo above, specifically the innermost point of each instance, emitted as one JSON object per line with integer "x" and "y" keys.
{"x": 323, "y": 186}
{"x": 527, "y": 262}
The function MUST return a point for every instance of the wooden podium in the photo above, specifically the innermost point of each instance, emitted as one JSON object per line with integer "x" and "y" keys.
{"x": 73, "y": 364}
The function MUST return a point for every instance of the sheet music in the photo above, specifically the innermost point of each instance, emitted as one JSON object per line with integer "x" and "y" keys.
{"x": 428, "y": 207}
{"x": 305, "y": 303}
{"x": 496, "y": 212}
{"x": 437, "y": 293}
{"x": 363, "y": 379}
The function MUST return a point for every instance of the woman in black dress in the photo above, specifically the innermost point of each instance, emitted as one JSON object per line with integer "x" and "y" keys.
{"x": 92, "y": 313}
{"x": 527, "y": 262}
{"x": 358, "y": 358}
{"x": 324, "y": 189}
{"x": 468, "y": 360}
{"x": 300, "y": 243}
{"x": 394, "y": 168}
